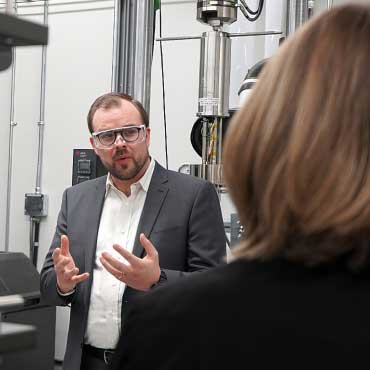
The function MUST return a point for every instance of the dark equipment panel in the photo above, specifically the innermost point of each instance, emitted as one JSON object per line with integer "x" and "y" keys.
{"x": 19, "y": 276}
{"x": 86, "y": 166}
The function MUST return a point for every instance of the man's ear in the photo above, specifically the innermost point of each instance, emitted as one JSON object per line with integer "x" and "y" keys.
{"x": 147, "y": 139}
{"x": 93, "y": 146}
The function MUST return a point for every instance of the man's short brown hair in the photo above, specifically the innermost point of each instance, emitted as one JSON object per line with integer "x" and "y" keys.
{"x": 112, "y": 100}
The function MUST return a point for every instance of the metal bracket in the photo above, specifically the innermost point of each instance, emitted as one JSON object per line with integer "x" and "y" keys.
{"x": 236, "y": 229}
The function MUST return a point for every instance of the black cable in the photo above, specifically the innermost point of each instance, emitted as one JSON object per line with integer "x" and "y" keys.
{"x": 244, "y": 8}
{"x": 163, "y": 87}
{"x": 36, "y": 243}
{"x": 35, "y": 230}
{"x": 249, "y": 10}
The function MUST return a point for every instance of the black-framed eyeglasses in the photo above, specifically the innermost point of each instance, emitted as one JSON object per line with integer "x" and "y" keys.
{"x": 129, "y": 134}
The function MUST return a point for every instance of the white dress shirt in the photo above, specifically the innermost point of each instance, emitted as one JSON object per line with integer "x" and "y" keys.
{"x": 118, "y": 225}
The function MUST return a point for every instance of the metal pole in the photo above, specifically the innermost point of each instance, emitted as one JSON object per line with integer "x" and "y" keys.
{"x": 134, "y": 36}
{"x": 35, "y": 221}
{"x": 116, "y": 38}
{"x": 41, "y": 122}
{"x": 297, "y": 14}
{"x": 177, "y": 38}
{"x": 10, "y": 148}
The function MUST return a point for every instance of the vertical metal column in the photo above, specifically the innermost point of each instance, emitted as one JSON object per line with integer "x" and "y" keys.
{"x": 213, "y": 101}
{"x": 10, "y": 147}
{"x": 116, "y": 41}
{"x": 35, "y": 220}
{"x": 297, "y": 14}
{"x": 214, "y": 74}
{"x": 41, "y": 122}
{"x": 133, "y": 48}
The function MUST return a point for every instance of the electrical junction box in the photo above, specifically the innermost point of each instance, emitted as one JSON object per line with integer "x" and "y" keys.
{"x": 35, "y": 204}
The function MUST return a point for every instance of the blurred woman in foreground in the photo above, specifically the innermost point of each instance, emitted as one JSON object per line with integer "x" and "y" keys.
{"x": 297, "y": 165}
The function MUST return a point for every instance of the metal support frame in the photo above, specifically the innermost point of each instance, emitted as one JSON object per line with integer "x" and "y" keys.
{"x": 12, "y": 125}
{"x": 133, "y": 48}
{"x": 35, "y": 218}
{"x": 298, "y": 12}
{"x": 41, "y": 122}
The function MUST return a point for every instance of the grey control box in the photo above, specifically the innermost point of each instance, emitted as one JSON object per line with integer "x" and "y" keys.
{"x": 35, "y": 204}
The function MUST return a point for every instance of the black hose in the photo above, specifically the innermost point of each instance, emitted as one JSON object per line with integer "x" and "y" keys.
{"x": 255, "y": 14}
{"x": 35, "y": 240}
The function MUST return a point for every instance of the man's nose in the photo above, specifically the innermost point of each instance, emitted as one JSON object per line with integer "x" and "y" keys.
{"x": 120, "y": 138}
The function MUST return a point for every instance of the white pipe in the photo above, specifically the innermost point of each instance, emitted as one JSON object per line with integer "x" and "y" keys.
{"x": 116, "y": 41}
{"x": 41, "y": 122}
{"x": 10, "y": 147}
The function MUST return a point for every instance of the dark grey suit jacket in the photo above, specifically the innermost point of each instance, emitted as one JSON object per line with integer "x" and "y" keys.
{"x": 181, "y": 217}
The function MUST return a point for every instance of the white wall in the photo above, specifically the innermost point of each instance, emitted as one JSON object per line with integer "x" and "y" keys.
{"x": 78, "y": 70}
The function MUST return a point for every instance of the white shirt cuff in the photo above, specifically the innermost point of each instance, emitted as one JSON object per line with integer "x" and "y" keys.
{"x": 65, "y": 294}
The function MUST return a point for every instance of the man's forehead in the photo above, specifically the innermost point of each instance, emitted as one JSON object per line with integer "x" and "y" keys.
{"x": 125, "y": 111}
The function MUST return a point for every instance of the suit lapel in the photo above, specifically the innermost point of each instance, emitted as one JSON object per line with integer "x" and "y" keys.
{"x": 157, "y": 193}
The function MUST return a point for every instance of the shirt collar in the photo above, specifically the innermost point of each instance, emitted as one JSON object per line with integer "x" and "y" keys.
{"x": 144, "y": 181}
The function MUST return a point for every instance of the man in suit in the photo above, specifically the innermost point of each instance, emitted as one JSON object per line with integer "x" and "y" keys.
{"x": 125, "y": 233}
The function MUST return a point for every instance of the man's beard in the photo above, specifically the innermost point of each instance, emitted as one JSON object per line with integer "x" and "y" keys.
{"x": 125, "y": 171}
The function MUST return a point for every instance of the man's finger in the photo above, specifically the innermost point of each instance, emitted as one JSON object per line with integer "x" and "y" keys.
{"x": 56, "y": 255}
{"x": 64, "y": 245}
{"x": 78, "y": 278}
{"x": 115, "y": 267}
{"x": 148, "y": 246}
{"x": 129, "y": 257}
{"x": 63, "y": 262}
{"x": 68, "y": 274}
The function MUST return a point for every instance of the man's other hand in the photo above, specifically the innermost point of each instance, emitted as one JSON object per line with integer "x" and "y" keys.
{"x": 65, "y": 268}
{"x": 138, "y": 273}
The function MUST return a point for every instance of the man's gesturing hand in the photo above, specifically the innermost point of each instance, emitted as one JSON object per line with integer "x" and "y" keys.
{"x": 65, "y": 268}
{"x": 138, "y": 273}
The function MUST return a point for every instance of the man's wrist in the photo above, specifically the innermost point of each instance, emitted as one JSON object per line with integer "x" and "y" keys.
{"x": 162, "y": 278}
{"x": 66, "y": 294}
